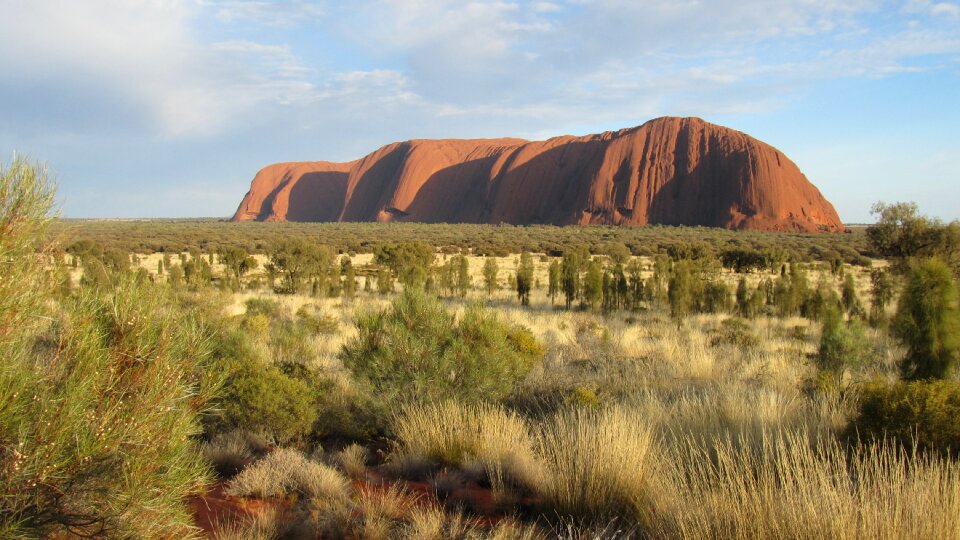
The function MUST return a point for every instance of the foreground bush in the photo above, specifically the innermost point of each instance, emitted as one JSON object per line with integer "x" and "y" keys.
{"x": 98, "y": 422}
{"x": 99, "y": 395}
{"x": 417, "y": 351}
{"x": 921, "y": 413}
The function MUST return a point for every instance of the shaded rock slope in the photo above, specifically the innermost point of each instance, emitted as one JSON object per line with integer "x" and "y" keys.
{"x": 671, "y": 171}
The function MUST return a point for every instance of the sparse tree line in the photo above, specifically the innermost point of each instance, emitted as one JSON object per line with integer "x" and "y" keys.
{"x": 685, "y": 280}
{"x": 178, "y": 236}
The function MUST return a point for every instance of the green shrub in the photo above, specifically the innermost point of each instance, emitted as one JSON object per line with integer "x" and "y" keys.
{"x": 925, "y": 413}
{"x": 99, "y": 419}
{"x": 99, "y": 394}
{"x": 262, "y": 399}
{"x": 317, "y": 322}
{"x": 736, "y": 332}
{"x": 843, "y": 345}
{"x": 263, "y": 306}
{"x": 290, "y": 342}
{"x": 928, "y": 321}
{"x": 416, "y": 350}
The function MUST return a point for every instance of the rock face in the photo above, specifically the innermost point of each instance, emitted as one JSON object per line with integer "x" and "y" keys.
{"x": 671, "y": 171}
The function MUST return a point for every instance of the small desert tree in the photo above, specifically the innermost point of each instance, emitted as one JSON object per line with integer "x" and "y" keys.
{"x": 593, "y": 285}
{"x": 524, "y": 278}
{"x": 237, "y": 261}
{"x": 843, "y": 345}
{"x": 570, "y": 271}
{"x": 685, "y": 289}
{"x": 881, "y": 294}
{"x": 490, "y": 272}
{"x": 349, "y": 278}
{"x": 462, "y": 275}
{"x": 928, "y": 321}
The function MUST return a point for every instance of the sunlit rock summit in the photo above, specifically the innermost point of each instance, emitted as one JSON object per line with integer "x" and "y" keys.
{"x": 672, "y": 171}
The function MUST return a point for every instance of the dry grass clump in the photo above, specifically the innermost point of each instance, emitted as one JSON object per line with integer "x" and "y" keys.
{"x": 450, "y": 433}
{"x": 790, "y": 488}
{"x": 595, "y": 462}
{"x": 230, "y": 452}
{"x": 287, "y": 471}
{"x": 263, "y": 526}
{"x": 352, "y": 460}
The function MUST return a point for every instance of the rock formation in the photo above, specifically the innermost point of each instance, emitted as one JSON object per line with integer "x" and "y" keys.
{"x": 673, "y": 171}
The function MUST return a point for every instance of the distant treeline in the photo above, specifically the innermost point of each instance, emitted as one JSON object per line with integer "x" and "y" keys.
{"x": 174, "y": 236}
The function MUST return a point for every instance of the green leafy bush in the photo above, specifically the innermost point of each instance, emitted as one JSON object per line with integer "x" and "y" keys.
{"x": 100, "y": 418}
{"x": 417, "y": 351}
{"x": 925, "y": 413}
{"x": 263, "y": 399}
{"x": 258, "y": 396}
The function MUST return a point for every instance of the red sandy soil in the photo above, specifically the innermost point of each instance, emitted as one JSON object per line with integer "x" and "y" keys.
{"x": 671, "y": 171}
{"x": 215, "y": 507}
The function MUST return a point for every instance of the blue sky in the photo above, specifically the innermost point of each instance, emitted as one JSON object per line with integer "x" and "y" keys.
{"x": 167, "y": 108}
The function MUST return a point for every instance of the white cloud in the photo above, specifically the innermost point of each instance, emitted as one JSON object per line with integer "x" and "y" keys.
{"x": 937, "y": 9}
{"x": 281, "y": 13}
{"x": 147, "y": 56}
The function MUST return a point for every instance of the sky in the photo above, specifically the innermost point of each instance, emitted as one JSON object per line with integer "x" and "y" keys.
{"x": 167, "y": 108}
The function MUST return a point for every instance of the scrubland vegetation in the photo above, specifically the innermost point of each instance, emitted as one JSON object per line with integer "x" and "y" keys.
{"x": 366, "y": 381}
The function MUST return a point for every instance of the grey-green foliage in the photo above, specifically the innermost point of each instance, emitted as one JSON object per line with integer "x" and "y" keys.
{"x": 685, "y": 289}
{"x": 99, "y": 393}
{"x": 524, "y": 278}
{"x": 881, "y": 294}
{"x": 297, "y": 261}
{"x": 843, "y": 345}
{"x": 237, "y": 262}
{"x": 901, "y": 233}
{"x": 490, "y": 273}
{"x": 928, "y": 321}
{"x": 408, "y": 261}
{"x": 417, "y": 351}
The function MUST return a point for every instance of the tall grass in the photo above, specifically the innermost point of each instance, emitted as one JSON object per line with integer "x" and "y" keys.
{"x": 595, "y": 462}
{"x": 602, "y": 464}
{"x": 450, "y": 433}
{"x": 790, "y": 488}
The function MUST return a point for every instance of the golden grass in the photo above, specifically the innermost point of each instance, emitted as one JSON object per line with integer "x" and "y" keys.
{"x": 595, "y": 462}
{"x": 286, "y": 471}
{"x": 792, "y": 488}
{"x": 263, "y": 526}
{"x": 352, "y": 460}
{"x": 454, "y": 434}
